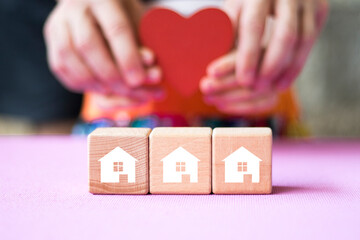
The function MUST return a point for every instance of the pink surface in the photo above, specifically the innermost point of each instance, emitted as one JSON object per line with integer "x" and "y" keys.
{"x": 43, "y": 194}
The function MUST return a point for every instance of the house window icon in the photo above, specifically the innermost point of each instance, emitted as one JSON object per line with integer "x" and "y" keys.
{"x": 180, "y": 167}
{"x": 118, "y": 166}
{"x": 242, "y": 166}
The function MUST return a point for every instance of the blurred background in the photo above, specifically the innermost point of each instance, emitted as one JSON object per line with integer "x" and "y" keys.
{"x": 328, "y": 88}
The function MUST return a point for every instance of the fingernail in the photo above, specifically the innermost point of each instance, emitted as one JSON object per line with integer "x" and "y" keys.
{"x": 154, "y": 75}
{"x": 216, "y": 71}
{"x": 148, "y": 56}
{"x": 205, "y": 86}
{"x": 212, "y": 70}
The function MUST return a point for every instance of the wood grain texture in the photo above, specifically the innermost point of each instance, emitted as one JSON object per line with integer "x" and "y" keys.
{"x": 225, "y": 141}
{"x": 134, "y": 141}
{"x": 196, "y": 141}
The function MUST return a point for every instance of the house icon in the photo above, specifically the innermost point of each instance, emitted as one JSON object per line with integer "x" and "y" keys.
{"x": 239, "y": 163}
{"x": 116, "y": 163}
{"x": 178, "y": 163}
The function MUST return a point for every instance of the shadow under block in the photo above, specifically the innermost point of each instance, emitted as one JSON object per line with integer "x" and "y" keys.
{"x": 180, "y": 161}
{"x": 241, "y": 161}
{"x": 118, "y": 161}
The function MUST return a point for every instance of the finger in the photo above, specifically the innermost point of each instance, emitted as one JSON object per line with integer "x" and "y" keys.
{"x": 322, "y": 12}
{"x": 148, "y": 93}
{"x": 251, "y": 31}
{"x": 308, "y": 34}
{"x": 289, "y": 76}
{"x": 64, "y": 61}
{"x": 111, "y": 102}
{"x": 222, "y": 66}
{"x": 118, "y": 32}
{"x": 153, "y": 75}
{"x": 91, "y": 46}
{"x": 233, "y": 10}
{"x": 144, "y": 93}
{"x": 147, "y": 57}
{"x": 253, "y": 107}
{"x": 282, "y": 44}
{"x": 235, "y": 95}
{"x": 209, "y": 85}
{"x": 308, "y": 22}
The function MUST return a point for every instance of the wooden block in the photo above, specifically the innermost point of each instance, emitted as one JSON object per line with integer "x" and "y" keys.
{"x": 118, "y": 161}
{"x": 180, "y": 161}
{"x": 241, "y": 160}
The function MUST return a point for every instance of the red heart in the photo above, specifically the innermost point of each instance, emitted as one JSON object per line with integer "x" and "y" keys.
{"x": 185, "y": 46}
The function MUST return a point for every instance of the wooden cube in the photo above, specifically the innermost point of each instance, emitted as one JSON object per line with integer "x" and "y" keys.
{"x": 180, "y": 161}
{"x": 118, "y": 161}
{"x": 241, "y": 160}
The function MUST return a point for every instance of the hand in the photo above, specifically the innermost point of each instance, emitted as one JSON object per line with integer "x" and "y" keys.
{"x": 297, "y": 23}
{"x": 134, "y": 97}
{"x": 92, "y": 47}
{"x": 221, "y": 89}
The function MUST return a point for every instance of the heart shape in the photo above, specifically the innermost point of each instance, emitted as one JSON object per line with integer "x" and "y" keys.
{"x": 185, "y": 46}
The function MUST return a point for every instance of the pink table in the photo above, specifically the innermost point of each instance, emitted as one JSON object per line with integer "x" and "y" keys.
{"x": 43, "y": 194}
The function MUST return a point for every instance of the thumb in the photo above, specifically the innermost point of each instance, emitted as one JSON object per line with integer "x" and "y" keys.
{"x": 233, "y": 8}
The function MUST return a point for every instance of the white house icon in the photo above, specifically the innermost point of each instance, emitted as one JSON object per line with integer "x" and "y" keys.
{"x": 239, "y": 163}
{"x": 116, "y": 163}
{"x": 178, "y": 163}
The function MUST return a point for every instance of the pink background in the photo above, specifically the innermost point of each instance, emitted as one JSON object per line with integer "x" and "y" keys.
{"x": 44, "y": 195}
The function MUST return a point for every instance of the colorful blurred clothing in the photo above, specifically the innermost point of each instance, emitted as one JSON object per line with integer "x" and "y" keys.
{"x": 283, "y": 119}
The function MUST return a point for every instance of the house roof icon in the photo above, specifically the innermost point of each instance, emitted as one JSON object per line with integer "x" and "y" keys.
{"x": 117, "y": 154}
{"x": 240, "y": 154}
{"x": 180, "y": 153}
